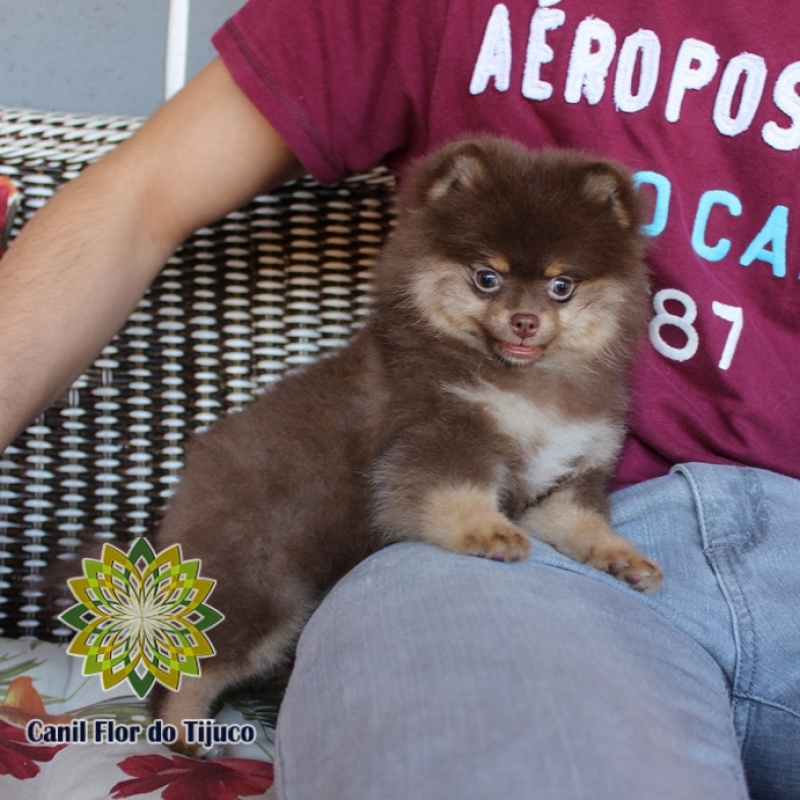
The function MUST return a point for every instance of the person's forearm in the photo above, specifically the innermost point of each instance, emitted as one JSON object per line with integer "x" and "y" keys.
{"x": 66, "y": 286}
{"x": 80, "y": 266}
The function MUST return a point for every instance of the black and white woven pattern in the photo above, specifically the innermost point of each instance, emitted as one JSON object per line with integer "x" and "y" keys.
{"x": 268, "y": 287}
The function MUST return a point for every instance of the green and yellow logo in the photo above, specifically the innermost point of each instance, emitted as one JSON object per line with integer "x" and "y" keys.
{"x": 141, "y": 616}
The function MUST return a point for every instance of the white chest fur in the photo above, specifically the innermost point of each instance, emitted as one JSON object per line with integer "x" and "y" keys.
{"x": 555, "y": 446}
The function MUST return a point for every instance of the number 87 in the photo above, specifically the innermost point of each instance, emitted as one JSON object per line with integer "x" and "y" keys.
{"x": 685, "y": 323}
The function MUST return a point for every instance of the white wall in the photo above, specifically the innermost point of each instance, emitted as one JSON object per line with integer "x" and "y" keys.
{"x": 100, "y": 56}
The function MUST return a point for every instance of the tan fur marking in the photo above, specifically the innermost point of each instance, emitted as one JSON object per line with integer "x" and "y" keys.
{"x": 554, "y": 270}
{"x": 465, "y": 519}
{"x": 499, "y": 264}
{"x": 590, "y": 322}
{"x": 587, "y": 537}
{"x": 447, "y": 303}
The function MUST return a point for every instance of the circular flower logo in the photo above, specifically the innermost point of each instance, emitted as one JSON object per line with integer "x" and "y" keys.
{"x": 141, "y": 617}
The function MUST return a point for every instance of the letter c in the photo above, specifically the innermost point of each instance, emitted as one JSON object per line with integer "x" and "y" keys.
{"x": 716, "y": 197}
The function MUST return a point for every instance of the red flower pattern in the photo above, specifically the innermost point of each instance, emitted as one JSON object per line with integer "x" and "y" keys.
{"x": 188, "y": 779}
{"x": 181, "y": 778}
{"x": 18, "y": 756}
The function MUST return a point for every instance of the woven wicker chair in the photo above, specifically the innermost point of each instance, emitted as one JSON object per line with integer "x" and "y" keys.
{"x": 266, "y": 288}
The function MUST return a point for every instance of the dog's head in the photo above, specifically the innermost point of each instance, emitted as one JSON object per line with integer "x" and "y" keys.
{"x": 528, "y": 257}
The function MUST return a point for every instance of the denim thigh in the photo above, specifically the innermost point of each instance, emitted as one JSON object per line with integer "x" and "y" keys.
{"x": 427, "y": 674}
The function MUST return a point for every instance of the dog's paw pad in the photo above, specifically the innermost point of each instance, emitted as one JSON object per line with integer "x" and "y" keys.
{"x": 635, "y": 570}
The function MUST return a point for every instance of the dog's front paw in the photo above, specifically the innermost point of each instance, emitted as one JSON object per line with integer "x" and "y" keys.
{"x": 499, "y": 540}
{"x": 465, "y": 519}
{"x": 627, "y": 564}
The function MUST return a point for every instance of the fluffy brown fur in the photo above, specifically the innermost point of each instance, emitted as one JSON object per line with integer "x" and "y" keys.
{"x": 483, "y": 402}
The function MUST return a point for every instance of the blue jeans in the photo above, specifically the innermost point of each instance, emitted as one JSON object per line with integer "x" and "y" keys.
{"x": 434, "y": 676}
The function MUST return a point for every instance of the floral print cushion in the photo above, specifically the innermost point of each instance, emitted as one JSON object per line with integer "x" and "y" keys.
{"x": 39, "y": 682}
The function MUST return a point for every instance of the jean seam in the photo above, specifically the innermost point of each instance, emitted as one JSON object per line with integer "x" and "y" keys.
{"x": 736, "y": 600}
{"x": 746, "y": 669}
{"x": 762, "y": 701}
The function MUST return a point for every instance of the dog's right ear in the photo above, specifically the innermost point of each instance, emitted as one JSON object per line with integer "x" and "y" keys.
{"x": 461, "y": 171}
{"x": 457, "y": 168}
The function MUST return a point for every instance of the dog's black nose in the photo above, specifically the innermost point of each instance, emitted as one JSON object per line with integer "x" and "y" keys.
{"x": 524, "y": 325}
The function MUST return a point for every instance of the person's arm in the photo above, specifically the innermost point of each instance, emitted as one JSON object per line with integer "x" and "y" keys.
{"x": 77, "y": 270}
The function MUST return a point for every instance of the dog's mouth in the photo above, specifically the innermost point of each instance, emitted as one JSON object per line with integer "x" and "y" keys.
{"x": 517, "y": 353}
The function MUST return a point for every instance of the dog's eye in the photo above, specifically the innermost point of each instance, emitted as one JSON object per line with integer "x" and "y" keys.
{"x": 486, "y": 280}
{"x": 561, "y": 288}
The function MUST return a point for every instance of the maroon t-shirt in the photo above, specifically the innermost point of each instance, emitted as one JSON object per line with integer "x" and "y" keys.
{"x": 701, "y": 100}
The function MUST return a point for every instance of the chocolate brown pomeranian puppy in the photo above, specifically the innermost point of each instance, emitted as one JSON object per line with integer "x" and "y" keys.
{"x": 483, "y": 402}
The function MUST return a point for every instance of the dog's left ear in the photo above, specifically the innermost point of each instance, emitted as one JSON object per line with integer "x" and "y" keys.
{"x": 608, "y": 184}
